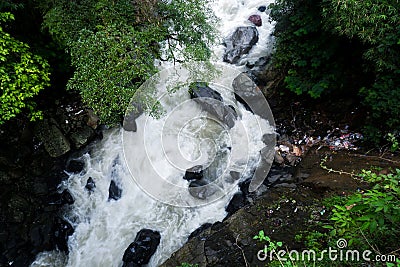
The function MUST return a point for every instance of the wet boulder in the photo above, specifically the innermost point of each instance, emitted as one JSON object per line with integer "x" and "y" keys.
{"x": 140, "y": 251}
{"x": 55, "y": 142}
{"x": 61, "y": 232}
{"x": 256, "y": 20}
{"x": 61, "y": 199}
{"x": 90, "y": 184}
{"x": 198, "y": 90}
{"x": 67, "y": 198}
{"x": 240, "y": 43}
{"x": 212, "y": 102}
{"x": 247, "y": 93}
{"x": 114, "y": 192}
{"x": 194, "y": 173}
{"x": 75, "y": 166}
{"x": 81, "y": 136}
{"x": 134, "y": 112}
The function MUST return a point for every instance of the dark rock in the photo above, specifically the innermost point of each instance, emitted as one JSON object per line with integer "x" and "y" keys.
{"x": 234, "y": 113}
{"x": 199, "y": 230}
{"x": 240, "y": 43}
{"x": 61, "y": 231}
{"x": 61, "y": 199}
{"x": 257, "y": 70}
{"x": 129, "y": 123}
{"x": 41, "y": 233}
{"x": 256, "y": 20}
{"x": 238, "y": 201}
{"x": 55, "y": 143}
{"x": 82, "y": 136}
{"x": 243, "y": 102}
{"x": 55, "y": 177}
{"x": 140, "y": 251}
{"x": 247, "y": 93}
{"x": 114, "y": 192}
{"x": 198, "y": 90}
{"x": 66, "y": 197}
{"x": 90, "y": 184}
{"x": 92, "y": 119}
{"x": 244, "y": 187}
{"x": 75, "y": 166}
{"x": 262, "y": 8}
{"x": 194, "y": 173}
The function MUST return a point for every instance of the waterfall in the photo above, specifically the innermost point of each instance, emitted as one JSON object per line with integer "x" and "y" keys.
{"x": 105, "y": 227}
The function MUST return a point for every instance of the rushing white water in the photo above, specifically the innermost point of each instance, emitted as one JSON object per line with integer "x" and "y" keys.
{"x": 105, "y": 228}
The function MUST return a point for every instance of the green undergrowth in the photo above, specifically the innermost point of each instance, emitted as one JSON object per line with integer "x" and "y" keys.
{"x": 363, "y": 229}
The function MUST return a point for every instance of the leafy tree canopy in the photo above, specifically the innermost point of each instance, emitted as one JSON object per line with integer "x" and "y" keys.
{"x": 113, "y": 44}
{"x": 22, "y": 75}
{"x": 326, "y": 45}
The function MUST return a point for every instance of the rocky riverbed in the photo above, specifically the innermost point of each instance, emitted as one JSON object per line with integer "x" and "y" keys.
{"x": 34, "y": 160}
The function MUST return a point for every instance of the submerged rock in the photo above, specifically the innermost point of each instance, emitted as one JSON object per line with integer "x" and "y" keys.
{"x": 114, "y": 192}
{"x": 140, "y": 251}
{"x": 240, "y": 43}
{"x": 256, "y": 20}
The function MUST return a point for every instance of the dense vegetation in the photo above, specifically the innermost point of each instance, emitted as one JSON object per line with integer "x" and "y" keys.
{"x": 112, "y": 46}
{"x": 347, "y": 47}
{"x": 323, "y": 47}
{"x": 22, "y": 75}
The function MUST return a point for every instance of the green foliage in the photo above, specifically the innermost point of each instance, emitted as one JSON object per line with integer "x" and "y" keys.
{"x": 391, "y": 264}
{"x": 271, "y": 245}
{"x": 22, "y": 75}
{"x": 327, "y": 45}
{"x": 375, "y": 23}
{"x": 113, "y": 44}
{"x": 375, "y": 212}
{"x": 393, "y": 141}
{"x": 305, "y": 51}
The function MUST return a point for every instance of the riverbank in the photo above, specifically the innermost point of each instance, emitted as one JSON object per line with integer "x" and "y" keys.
{"x": 318, "y": 154}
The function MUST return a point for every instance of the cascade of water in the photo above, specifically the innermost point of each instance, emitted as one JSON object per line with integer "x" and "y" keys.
{"x": 104, "y": 228}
